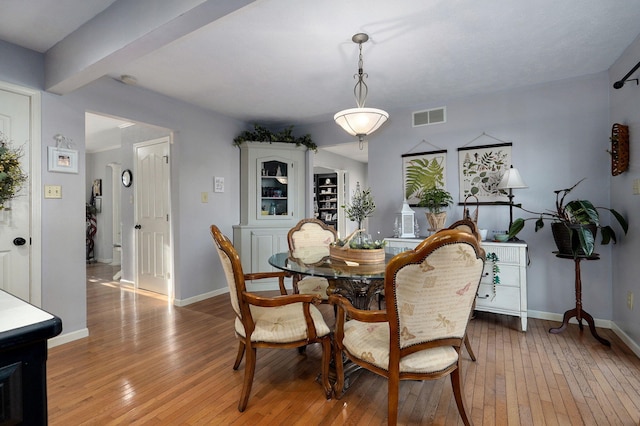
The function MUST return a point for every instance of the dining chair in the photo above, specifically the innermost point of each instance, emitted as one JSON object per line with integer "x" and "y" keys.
{"x": 289, "y": 321}
{"x": 430, "y": 292}
{"x": 308, "y": 241}
{"x": 470, "y": 227}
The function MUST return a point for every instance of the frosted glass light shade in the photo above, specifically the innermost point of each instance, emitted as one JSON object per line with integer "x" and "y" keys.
{"x": 511, "y": 180}
{"x": 361, "y": 121}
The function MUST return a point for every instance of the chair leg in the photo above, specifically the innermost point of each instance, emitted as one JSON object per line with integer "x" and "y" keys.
{"x": 249, "y": 370}
{"x": 326, "y": 359}
{"x": 456, "y": 383}
{"x": 338, "y": 386}
{"x": 392, "y": 397}
{"x": 239, "y": 356}
{"x": 467, "y": 345}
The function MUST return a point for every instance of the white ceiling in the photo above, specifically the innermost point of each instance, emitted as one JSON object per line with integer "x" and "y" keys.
{"x": 278, "y": 62}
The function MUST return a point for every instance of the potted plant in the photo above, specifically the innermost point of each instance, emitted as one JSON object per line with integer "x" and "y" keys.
{"x": 362, "y": 205}
{"x": 435, "y": 200}
{"x": 574, "y": 224}
{"x": 356, "y": 247}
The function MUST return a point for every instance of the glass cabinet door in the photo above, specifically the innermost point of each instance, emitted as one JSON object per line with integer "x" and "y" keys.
{"x": 274, "y": 186}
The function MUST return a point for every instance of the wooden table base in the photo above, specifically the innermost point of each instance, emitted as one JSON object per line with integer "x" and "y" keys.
{"x": 577, "y": 312}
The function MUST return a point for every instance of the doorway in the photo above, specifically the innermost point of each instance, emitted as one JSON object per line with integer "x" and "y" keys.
{"x": 110, "y": 152}
{"x": 20, "y": 236}
{"x": 152, "y": 207}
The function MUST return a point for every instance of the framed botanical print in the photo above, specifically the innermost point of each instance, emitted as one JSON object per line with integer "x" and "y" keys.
{"x": 422, "y": 171}
{"x": 480, "y": 170}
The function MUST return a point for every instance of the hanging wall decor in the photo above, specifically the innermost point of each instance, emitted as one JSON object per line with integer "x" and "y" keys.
{"x": 63, "y": 160}
{"x": 423, "y": 170}
{"x": 480, "y": 170}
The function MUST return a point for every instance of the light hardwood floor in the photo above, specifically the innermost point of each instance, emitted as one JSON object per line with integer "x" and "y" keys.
{"x": 148, "y": 362}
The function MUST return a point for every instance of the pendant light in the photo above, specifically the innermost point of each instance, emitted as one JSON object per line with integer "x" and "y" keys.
{"x": 360, "y": 121}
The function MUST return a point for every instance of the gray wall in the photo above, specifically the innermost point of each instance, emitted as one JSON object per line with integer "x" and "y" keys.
{"x": 625, "y": 109}
{"x": 559, "y": 134}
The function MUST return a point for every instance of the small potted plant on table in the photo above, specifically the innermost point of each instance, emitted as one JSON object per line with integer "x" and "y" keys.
{"x": 355, "y": 247}
{"x": 435, "y": 200}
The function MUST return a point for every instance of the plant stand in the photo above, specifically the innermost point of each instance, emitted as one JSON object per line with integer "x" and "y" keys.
{"x": 578, "y": 312}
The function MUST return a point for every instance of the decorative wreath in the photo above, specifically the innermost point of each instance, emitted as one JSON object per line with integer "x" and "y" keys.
{"x": 12, "y": 178}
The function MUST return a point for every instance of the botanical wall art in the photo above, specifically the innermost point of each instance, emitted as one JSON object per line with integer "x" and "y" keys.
{"x": 480, "y": 169}
{"x": 422, "y": 171}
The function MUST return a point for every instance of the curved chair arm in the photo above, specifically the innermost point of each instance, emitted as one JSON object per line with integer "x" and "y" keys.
{"x": 357, "y": 314}
{"x": 256, "y": 300}
{"x": 305, "y": 299}
{"x": 280, "y": 275}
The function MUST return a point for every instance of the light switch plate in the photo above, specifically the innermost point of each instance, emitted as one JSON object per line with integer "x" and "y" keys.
{"x": 52, "y": 191}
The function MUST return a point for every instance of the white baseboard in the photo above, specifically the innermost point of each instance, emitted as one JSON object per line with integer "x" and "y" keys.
{"x": 200, "y": 297}
{"x": 634, "y": 346}
{"x": 626, "y": 339}
{"x": 68, "y": 337}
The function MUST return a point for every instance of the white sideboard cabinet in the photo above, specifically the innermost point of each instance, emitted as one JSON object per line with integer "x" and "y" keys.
{"x": 505, "y": 295}
{"x": 272, "y": 200}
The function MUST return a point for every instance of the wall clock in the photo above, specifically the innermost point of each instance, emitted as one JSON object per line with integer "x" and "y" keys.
{"x": 127, "y": 178}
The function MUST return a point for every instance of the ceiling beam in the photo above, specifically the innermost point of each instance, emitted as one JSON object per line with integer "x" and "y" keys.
{"x": 125, "y": 31}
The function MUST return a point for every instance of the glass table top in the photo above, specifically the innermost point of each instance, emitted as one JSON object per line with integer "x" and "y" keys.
{"x": 320, "y": 264}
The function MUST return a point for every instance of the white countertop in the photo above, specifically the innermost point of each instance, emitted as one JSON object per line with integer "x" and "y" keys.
{"x": 16, "y": 313}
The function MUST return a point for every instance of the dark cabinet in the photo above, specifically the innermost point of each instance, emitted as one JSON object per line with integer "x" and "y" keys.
{"x": 24, "y": 331}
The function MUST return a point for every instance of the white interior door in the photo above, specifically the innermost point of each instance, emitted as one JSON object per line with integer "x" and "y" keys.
{"x": 152, "y": 206}
{"x": 15, "y": 233}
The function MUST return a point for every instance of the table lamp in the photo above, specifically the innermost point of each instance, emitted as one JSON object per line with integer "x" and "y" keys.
{"x": 511, "y": 180}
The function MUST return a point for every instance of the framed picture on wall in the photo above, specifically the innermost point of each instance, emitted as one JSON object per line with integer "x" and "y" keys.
{"x": 422, "y": 171}
{"x": 480, "y": 169}
{"x": 63, "y": 160}
{"x": 97, "y": 188}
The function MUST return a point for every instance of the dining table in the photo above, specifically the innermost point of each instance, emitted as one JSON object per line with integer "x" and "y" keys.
{"x": 359, "y": 283}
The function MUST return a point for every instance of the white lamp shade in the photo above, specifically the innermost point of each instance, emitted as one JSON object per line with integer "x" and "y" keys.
{"x": 361, "y": 121}
{"x": 511, "y": 180}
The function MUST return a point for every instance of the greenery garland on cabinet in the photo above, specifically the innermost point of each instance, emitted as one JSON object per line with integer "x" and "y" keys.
{"x": 495, "y": 269}
{"x": 262, "y": 134}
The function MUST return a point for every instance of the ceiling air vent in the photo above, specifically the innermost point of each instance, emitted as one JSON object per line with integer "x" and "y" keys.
{"x": 430, "y": 116}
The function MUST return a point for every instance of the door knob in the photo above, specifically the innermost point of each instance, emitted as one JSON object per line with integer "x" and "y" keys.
{"x": 19, "y": 241}
{"x": 138, "y": 226}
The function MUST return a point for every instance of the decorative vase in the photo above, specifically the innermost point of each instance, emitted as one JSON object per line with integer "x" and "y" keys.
{"x": 436, "y": 220}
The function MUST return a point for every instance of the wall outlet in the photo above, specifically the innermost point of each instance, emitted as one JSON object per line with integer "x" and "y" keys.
{"x": 630, "y": 300}
{"x": 52, "y": 191}
{"x": 204, "y": 197}
{"x": 636, "y": 187}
